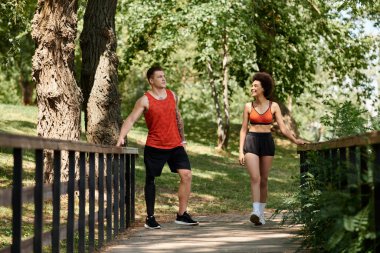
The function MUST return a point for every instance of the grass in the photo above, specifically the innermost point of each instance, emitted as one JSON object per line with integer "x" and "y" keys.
{"x": 220, "y": 184}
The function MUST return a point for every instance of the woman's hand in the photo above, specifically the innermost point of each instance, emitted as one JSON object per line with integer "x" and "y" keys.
{"x": 241, "y": 159}
{"x": 300, "y": 142}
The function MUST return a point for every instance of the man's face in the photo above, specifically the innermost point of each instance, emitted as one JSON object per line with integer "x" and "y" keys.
{"x": 158, "y": 79}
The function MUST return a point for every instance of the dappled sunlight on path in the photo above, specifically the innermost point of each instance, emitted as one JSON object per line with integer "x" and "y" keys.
{"x": 222, "y": 233}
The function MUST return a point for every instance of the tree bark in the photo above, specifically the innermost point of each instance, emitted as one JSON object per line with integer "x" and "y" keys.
{"x": 289, "y": 122}
{"x": 27, "y": 89}
{"x": 226, "y": 104}
{"x": 54, "y": 28}
{"x": 219, "y": 119}
{"x": 99, "y": 77}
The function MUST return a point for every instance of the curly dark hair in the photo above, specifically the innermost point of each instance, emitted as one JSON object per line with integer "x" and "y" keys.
{"x": 151, "y": 71}
{"x": 266, "y": 81}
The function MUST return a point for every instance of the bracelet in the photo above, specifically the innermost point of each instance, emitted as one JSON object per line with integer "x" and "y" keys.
{"x": 184, "y": 142}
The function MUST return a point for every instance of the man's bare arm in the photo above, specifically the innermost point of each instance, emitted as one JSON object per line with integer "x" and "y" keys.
{"x": 140, "y": 106}
{"x": 180, "y": 125}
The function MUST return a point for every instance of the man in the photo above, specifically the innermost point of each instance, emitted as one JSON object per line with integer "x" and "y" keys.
{"x": 165, "y": 143}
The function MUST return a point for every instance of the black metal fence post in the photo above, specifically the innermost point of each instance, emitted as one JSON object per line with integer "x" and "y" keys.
{"x": 122, "y": 192}
{"x": 116, "y": 165}
{"x": 376, "y": 179}
{"x": 17, "y": 200}
{"x": 365, "y": 189}
{"x": 71, "y": 204}
{"x": 109, "y": 197}
{"x": 133, "y": 180}
{"x": 38, "y": 201}
{"x": 56, "y": 202}
{"x": 128, "y": 190}
{"x": 101, "y": 200}
{"x": 91, "y": 191}
{"x": 82, "y": 203}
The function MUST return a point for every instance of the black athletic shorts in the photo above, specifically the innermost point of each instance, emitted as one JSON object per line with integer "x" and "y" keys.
{"x": 155, "y": 159}
{"x": 261, "y": 144}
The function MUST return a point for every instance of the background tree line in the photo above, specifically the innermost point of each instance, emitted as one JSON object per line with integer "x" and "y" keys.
{"x": 92, "y": 56}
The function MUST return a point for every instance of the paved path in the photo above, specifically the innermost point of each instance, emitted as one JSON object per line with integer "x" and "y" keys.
{"x": 225, "y": 233}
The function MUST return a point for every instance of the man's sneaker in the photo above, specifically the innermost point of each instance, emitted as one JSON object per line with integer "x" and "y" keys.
{"x": 262, "y": 219}
{"x": 151, "y": 223}
{"x": 255, "y": 218}
{"x": 185, "y": 219}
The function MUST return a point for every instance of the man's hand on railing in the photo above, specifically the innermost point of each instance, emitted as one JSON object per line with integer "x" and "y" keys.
{"x": 120, "y": 142}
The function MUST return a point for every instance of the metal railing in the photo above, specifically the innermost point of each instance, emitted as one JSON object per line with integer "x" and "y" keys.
{"x": 345, "y": 163}
{"x": 106, "y": 182}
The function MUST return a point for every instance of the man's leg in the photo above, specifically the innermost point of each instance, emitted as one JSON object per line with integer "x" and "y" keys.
{"x": 184, "y": 189}
{"x": 150, "y": 197}
{"x": 150, "y": 194}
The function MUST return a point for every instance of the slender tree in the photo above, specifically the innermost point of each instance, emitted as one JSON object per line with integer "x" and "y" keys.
{"x": 16, "y": 48}
{"x": 54, "y": 29}
{"x": 99, "y": 77}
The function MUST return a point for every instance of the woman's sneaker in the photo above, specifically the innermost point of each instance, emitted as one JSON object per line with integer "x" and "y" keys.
{"x": 262, "y": 219}
{"x": 151, "y": 223}
{"x": 185, "y": 219}
{"x": 255, "y": 218}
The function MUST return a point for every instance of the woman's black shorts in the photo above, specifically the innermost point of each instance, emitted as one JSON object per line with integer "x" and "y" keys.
{"x": 155, "y": 159}
{"x": 261, "y": 144}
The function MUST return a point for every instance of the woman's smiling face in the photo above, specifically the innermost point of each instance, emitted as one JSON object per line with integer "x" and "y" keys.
{"x": 256, "y": 88}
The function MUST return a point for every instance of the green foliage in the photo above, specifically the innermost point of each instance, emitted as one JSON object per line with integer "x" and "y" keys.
{"x": 311, "y": 47}
{"x": 345, "y": 119}
{"x": 9, "y": 92}
{"x": 16, "y": 48}
{"x": 289, "y": 39}
{"x": 330, "y": 208}
{"x": 15, "y": 40}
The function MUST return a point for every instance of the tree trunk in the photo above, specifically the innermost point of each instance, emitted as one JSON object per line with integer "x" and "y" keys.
{"x": 99, "y": 73}
{"x": 289, "y": 122}
{"x": 27, "y": 89}
{"x": 224, "y": 144}
{"x": 219, "y": 119}
{"x": 54, "y": 28}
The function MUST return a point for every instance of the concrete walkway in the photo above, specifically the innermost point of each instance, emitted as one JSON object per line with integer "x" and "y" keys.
{"x": 224, "y": 233}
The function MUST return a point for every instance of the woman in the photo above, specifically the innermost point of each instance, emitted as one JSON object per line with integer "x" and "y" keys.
{"x": 256, "y": 148}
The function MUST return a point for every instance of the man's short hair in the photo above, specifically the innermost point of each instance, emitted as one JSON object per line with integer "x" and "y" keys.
{"x": 151, "y": 71}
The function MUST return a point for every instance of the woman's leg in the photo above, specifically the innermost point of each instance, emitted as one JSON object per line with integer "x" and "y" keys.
{"x": 252, "y": 162}
{"x": 265, "y": 166}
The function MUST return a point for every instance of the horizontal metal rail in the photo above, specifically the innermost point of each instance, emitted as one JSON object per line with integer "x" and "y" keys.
{"x": 107, "y": 172}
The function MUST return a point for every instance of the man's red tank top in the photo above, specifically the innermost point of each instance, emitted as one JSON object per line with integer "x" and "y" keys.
{"x": 161, "y": 121}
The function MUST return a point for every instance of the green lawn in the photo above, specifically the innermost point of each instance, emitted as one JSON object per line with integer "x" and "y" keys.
{"x": 220, "y": 184}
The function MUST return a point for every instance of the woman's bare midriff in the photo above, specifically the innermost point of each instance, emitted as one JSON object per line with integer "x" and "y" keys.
{"x": 260, "y": 128}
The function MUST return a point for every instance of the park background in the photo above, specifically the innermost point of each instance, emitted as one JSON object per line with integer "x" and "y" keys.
{"x": 324, "y": 57}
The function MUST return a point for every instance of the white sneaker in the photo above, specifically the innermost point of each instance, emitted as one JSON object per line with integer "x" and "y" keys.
{"x": 262, "y": 219}
{"x": 255, "y": 218}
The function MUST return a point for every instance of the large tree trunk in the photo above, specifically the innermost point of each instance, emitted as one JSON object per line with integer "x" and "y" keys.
{"x": 58, "y": 96}
{"x": 289, "y": 121}
{"x": 99, "y": 72}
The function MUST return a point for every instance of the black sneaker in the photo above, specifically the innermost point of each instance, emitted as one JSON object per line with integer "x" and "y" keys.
{"x": 185, "y": 219}
{"x": 151, "y": 223}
